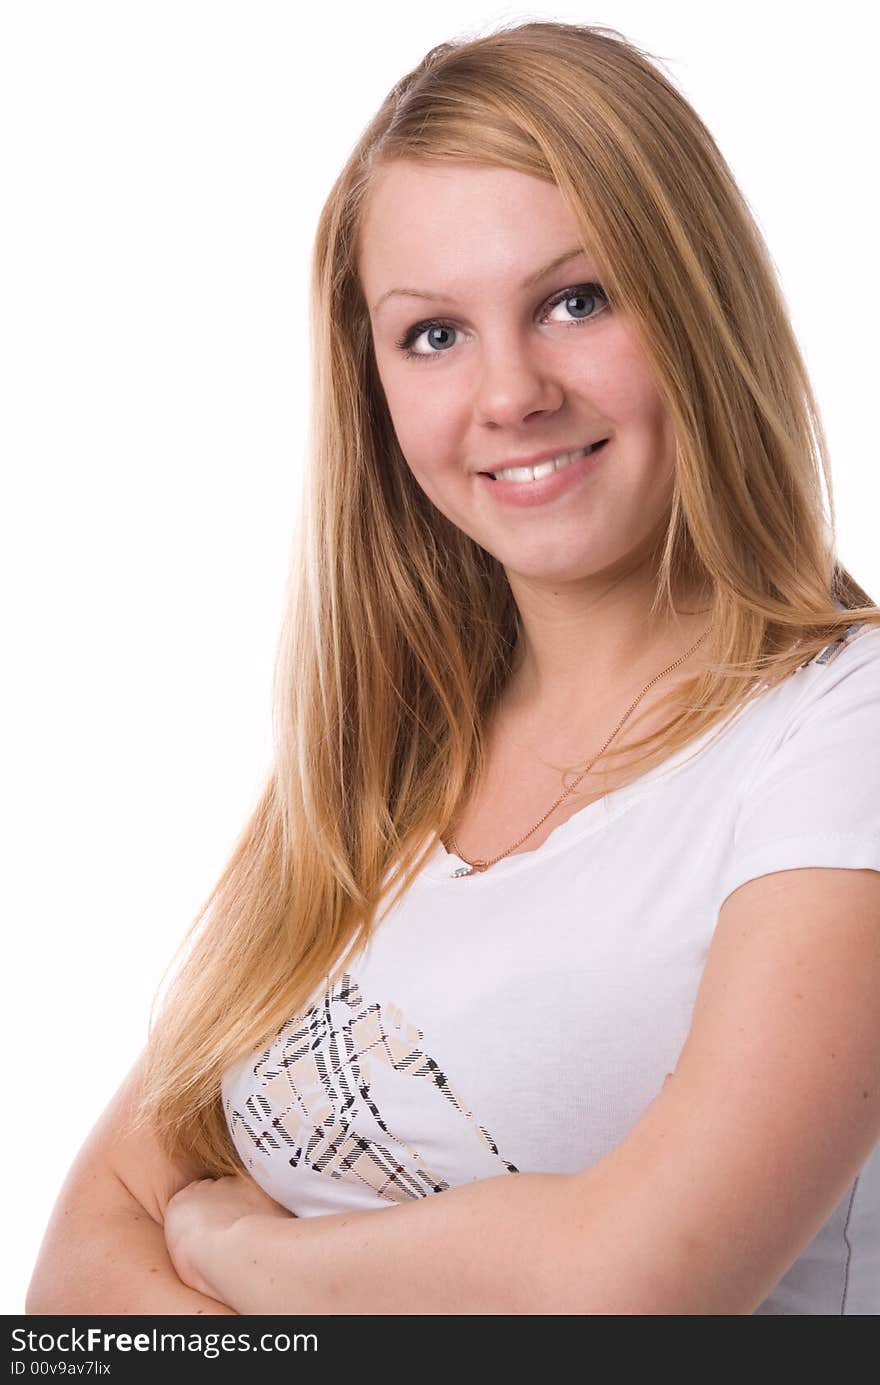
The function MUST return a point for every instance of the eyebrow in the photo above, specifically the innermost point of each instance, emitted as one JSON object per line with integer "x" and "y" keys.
{"x": 571, "y": 254}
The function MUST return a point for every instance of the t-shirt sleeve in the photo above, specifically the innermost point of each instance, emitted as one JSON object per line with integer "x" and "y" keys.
{"x": 814, "y": 798}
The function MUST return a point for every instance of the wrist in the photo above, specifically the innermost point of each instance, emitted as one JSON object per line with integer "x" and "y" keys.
{"x": 230, "y": 1261}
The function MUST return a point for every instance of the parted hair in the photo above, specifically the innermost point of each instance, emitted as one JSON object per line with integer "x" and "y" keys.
{"x": 399, "y": 630}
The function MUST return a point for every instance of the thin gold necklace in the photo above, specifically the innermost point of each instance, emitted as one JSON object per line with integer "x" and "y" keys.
{"x": 477, "y": 867}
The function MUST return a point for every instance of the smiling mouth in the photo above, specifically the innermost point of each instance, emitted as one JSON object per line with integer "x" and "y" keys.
{"x": 522, "y": 474}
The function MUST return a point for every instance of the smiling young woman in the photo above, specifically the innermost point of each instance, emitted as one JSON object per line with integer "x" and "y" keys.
{"x": 655, "y": 1001}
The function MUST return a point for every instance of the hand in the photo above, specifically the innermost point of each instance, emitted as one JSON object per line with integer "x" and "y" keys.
{"x": 197, "y": 1216}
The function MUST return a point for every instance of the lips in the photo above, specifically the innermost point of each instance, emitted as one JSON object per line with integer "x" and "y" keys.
{"x": 534, "y": 493}
{"x": 571, "y": 455}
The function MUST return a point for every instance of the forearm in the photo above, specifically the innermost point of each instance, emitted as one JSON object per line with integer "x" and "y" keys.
{"x": 99, "y": 1259}
{"x": 486, "y": 1247}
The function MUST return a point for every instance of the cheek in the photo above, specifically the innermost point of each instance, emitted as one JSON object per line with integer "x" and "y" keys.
{"x": 622, "y": 384}
{"x": 426, "y": 427}
{"x": 631, "y": 400}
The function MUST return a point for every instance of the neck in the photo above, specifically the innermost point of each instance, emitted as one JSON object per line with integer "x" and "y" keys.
{"x": 580, "y": 653}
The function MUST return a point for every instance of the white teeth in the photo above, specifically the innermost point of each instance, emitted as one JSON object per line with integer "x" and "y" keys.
{"x": 534, "y": 473}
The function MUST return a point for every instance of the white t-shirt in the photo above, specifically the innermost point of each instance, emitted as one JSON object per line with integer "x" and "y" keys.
{"x": 524, "y": 1018}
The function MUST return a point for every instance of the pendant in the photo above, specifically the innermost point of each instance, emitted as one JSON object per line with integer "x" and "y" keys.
{"x": 474, "y": 867}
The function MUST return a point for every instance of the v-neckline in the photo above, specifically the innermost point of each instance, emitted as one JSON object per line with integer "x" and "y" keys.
{"x": 586, "y": 820}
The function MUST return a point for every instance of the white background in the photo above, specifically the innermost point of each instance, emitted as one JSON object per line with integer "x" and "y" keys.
{"x": 162, "y": 167}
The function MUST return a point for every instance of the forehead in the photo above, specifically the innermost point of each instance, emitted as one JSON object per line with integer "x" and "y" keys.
{"x": 451, "y": 227}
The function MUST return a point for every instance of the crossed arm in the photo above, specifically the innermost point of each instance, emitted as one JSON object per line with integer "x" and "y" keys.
{"x": 701, "y": 1209}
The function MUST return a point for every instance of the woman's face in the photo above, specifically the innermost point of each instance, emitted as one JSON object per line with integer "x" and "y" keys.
{"x": 515, "y": 366}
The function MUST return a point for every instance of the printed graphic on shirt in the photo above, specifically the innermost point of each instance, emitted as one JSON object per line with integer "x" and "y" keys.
{"x": 831, "y": 651}
{"x": 312, "y": 1097}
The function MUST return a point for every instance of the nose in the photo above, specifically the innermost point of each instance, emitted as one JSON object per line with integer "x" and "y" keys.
{"x": 513, "y": 383}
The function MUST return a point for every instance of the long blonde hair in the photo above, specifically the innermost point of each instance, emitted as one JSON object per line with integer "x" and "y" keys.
{"x": 400, "y": 631}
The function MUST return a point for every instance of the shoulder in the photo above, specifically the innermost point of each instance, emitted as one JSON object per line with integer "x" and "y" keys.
{"x": 835, "y": 692}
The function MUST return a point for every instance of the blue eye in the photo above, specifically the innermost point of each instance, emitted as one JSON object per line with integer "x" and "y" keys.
{"x": 422, "y": 329}
{"x": 587, "y": 293}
